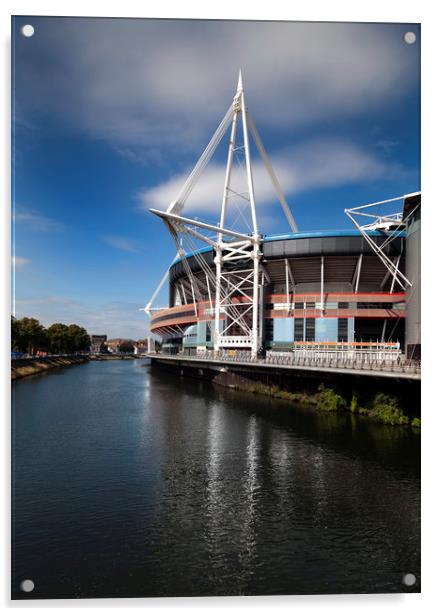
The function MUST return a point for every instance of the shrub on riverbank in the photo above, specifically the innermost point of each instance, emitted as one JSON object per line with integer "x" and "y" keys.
{"x": 329, "y": 400}
{"x": 274, "y": 391}
{"x": 383, "y": 408}
{"x": 386, "y": 409}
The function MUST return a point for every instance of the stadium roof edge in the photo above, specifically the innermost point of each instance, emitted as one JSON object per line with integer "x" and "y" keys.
{"x": 298, "y": 236}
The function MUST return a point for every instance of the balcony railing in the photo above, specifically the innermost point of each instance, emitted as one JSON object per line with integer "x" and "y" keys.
{"x": 360, "y": 361}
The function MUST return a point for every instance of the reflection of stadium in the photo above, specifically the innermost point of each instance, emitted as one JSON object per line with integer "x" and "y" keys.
{"x": 316, "y": 292}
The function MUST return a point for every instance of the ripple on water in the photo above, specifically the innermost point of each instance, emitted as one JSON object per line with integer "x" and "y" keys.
{"x": 131, "y": 482}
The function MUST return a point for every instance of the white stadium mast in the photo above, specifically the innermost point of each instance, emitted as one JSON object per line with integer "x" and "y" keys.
{"x": 238, "y": 299}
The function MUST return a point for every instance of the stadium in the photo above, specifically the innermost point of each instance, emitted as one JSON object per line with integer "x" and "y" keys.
{"x": 322, "y": 292}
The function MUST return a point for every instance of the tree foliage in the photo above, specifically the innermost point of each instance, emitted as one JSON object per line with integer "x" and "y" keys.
{"x": 15, "y": 335}
{"x": 79, "y": 338}
{"x": 58, "y": 335}
{"x": 29, "y": 336}
{"x": 126, "y": 346}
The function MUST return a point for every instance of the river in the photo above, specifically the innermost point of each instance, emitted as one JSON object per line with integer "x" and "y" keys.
{"x": 129, "y": 481}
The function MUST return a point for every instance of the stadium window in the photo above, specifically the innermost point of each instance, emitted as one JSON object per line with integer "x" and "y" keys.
{"x": 310, "y": 330}
{"x": 298, "y": 330}
{"x": 342, "y": 330}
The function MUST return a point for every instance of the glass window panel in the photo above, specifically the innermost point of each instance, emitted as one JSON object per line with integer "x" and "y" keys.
{"x": 282, "y": 330}
{"x": 298, "y": 330}
{"x": 326, "y": 330}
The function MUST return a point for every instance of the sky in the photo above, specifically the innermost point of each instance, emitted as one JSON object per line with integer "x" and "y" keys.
{"x": 110, "y": 116}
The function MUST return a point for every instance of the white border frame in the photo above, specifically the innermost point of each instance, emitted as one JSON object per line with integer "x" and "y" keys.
{"x": 337, "y": 10}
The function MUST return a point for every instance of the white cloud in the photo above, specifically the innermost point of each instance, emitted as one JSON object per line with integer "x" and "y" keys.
{"x": 317, "y": 164}
{"x": 19, "y": 261}
{"x": 37, "y": 221}
{"x": 116, "y": 319}
{"x": 164, "y": 83}
{"x": 119, "y": 242}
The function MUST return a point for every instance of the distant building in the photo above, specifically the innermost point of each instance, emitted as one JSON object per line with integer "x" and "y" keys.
{"x": 113, "y": 346}
{"x": 141, "y": 347}
{"x": 97, "y": 343}
{"x": 120, "y": 345}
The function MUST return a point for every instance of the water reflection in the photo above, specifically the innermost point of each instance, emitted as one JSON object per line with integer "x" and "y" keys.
{"x": 215, "y": 513}
{"x": 175, "y": 488}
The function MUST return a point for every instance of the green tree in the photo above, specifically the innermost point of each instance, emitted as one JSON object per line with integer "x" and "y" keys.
{"x": 59, "y": 338}
{"x": 15, "y": 335}
{"x": 126, "y": 346}
{"x": 32, "y": 336}
{"x": 79, "y": 339}
{"x": 28, "y": 335}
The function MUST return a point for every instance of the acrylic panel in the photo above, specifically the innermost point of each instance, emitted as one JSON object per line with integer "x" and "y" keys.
{"x": 216, "y": 334}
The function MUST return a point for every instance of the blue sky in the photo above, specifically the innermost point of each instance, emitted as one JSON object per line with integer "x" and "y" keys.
{"x": 110, "y": 116}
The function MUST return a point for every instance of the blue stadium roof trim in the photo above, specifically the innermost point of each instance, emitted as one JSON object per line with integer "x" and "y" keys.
{"x": 309, "y": 234}
{"x": 191, "y": 254}
{"x": 301, "y": 236}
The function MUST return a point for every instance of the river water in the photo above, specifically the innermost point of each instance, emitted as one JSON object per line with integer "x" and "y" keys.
{"x": 129, "y": 481}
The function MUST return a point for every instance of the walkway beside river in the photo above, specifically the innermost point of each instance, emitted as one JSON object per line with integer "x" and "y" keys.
{"x": 379, "y": 368}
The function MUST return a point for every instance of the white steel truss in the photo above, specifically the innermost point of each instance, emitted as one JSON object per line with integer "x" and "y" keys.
{"x": 236, "y": 281}
{"x": 389, "y": 224}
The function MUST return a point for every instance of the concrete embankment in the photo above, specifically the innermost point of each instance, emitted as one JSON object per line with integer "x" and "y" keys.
{"x": 112, "y": 356}
{"x": 394, "y": 401}
{"x": 27, "y": 367}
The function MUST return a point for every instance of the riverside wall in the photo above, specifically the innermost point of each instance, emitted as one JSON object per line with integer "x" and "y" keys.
{"x": 30, "y": 366}
{"x": 357, "y": 391}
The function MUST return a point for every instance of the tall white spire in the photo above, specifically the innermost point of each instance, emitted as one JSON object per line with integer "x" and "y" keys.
{"x": 236, "y": 324}
{"x": 239, "y": 88}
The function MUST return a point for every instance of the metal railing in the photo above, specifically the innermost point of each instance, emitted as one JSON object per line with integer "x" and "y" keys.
{"x": 360, "y": 363}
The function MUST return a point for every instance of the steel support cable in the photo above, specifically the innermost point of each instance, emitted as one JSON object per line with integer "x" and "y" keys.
{"x": 184, "y": 194}
{"x": 174, "y": 234}
{"x": 403, "y": 223}
{"x": 179, "y": 232}
{"x": 393, "y": 233}
{"x": 234, "y": 312}
{"x": 393, "y": 269}
{"x": 289, "y": 216}
{"x": 205, "y": 268}
{"x": 239, "y": 208}
{"x": 384, "y": 258}
{"x": 239, "y": 213}
{"x": 205, "y": 158}
{"x": 187, "y": 268}
{"x": 393, "y": 330}
{"x": 232, "y": 204}
{"x": 192, "y": 279}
